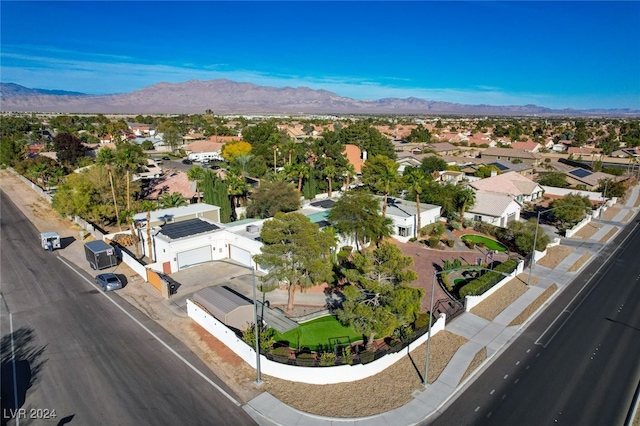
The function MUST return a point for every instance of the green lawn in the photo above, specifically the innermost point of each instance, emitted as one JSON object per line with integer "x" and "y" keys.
{"x": 488, "y": 242}
{"x": 325, "y": 331}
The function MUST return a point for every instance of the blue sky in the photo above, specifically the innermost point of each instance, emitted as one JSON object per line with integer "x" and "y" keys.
{"x": 554, "y": 54}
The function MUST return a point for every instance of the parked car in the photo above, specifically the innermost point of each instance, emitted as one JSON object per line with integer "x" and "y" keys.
{"x": 187, "y": 161}
{"x": 215, "y": 167}
{"x": 108, "y": 281}
{"x": 166, "y": 158}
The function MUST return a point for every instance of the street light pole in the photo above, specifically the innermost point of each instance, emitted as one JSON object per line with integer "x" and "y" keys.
{"x": 426, "y": 366}
{"x": 257, "y": 332}
{"x": 533, "y": 252}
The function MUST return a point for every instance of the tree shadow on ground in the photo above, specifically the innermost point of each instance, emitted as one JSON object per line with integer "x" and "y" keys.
{"x": 21, "y": 363}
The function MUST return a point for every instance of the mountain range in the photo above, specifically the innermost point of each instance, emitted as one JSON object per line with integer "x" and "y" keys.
{"x": 229, "y": 97}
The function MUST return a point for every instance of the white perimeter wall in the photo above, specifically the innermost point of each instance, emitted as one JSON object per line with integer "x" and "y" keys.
{"x": 312, "y": 375}
{"x": 472, "y": 301}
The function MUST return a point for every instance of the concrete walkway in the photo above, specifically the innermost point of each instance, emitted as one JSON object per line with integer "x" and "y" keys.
{"x": 493, "y": 335}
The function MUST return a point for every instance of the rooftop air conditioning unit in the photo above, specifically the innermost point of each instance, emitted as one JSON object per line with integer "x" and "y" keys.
{"x": 252, "y": 229}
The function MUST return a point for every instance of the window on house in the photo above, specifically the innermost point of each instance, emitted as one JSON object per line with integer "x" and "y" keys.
{"x": 404, "y": 231}
{"x": 477, "y": 218}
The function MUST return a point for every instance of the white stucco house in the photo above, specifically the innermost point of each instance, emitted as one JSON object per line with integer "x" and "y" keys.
{"x": 496, "y": 209}
{"x": 404, "y": 215}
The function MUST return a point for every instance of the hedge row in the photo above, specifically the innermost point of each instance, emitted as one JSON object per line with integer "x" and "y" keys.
{"x": 488, "y": 280}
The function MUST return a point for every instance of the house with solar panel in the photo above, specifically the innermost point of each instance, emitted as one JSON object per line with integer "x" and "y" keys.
{"x": 587, "y": 180}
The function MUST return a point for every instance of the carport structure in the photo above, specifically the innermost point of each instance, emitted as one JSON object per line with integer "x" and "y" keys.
{"x": 226, "y": 306}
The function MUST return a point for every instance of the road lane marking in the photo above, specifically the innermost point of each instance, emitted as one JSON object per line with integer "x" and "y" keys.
{"x": 538, "y": 341}
{"x": 477, "y": 408}
{"x": 162, "y": 342}
{"x": 492, "y": 391}
{"x": 516, "y": 381}
{"x": 517, "y": 363}
{"x": 505, "y": 377}
{"x": 15, "y": 375}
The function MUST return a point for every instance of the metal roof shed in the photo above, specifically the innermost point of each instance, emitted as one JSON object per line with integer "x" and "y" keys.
{"x": 226, "y": 306}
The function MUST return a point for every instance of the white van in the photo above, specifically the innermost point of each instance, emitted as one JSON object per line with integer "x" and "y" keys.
{"x": 50, "y": 240}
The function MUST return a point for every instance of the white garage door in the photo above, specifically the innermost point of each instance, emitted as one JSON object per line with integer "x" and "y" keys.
{"x": 240, "y": 255}
{"x": 195, "y": 256}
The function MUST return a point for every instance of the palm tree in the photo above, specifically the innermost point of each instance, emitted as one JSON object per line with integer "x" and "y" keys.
{"x": 302, "y": 172}
{"x": 381, "y": 174}
{"x": 175, "y": 199}
{"x": 243, "y": 161}
{"x": 349, "y": 172}
{"x": 127, "y": 217}
{"x": 415, "y": 179}
{"x": 106, "y": 157}
{"x": 330, "y": 173}
{"x": 148, "y": 206}
{"x": 464, "y": 198}
{"x": 129, "y": 157}
{"x": 196, "y": 174}
{"x": 237, "y": 187}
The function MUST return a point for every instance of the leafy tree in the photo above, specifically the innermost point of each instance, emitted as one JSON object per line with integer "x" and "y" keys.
{"x": 420, "y": 134}
{"x": 232, "y": 150}
{"x": 295, "y": 252}
{"x": 68, "y": 148}
{"x": 521, "y": 235}
{"x": 356, "y": 215}
{"x": 378, "y": 299}
{"x": 485, "y": 171}
{"x": 11, "y": 151}
{"x": 216, "y": 193}
{"x": 432, "y": 164}
{"x": 147, "y": 145}
{"x": 367, "y": 138}
{"x": 610, "y": 188}
{"x": 570, "y": 209}
{"x": 380, "y": 174}
{"x": 170, "y": 134}
{"x": 175, "y": 199}
{"x": 555, "y": 179}
{"x": 273, "y": 197}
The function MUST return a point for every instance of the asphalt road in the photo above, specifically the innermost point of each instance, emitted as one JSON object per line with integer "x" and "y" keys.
{"x": 87, "y": 356}
{"x": 578, "y": 363}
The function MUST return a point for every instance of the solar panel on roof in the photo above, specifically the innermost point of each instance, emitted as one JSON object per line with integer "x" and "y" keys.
{"x": 581, "y": 173}
{"x": 325, "y": 204}
{"x": 501, "y": 167}
{"x": 187, "y": 228}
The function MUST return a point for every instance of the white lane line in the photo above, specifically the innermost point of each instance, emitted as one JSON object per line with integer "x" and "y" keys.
{"x": 505, "y": 377}
{"x": 180, "y": 357}
{"x": 492, "y": 391}
{"x": 15, "y": 375}
{"x": 518, "y": 363}
{"x": 516, "y": 381}
{"x": 537, "y": 342}
{"x": 477, "y": 408}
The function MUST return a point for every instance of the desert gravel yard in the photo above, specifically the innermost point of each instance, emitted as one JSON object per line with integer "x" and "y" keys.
{"x": 587, "y": 231}
{"x": 385, "y": 391}
{"x": 554, "y": 256}
{"x": 503, "y": 297}
{"x": 529, "y": 310}
{"x": 609, "y": 234}
{"x": 611, "y": 212}
{"x": 583, "y": 259}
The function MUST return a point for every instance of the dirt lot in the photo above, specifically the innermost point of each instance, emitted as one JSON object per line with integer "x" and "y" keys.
{"x": 587, "y": 231}
{"x": 502, "y": 298}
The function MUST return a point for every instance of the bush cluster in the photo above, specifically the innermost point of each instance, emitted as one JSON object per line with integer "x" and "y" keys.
{"x": 488, "y": 280}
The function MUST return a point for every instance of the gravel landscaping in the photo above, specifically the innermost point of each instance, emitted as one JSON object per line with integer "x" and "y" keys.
{"x": 475, "y": 363}
{"x": 611, "y": 212}
{"x": 587, "y": 231}
{"x": 609, "y": 234}
{"x": 385, "y": 391}
{"x": 628, "y": 217}
{"x": 529, "y": 310}
{"x": 554, "y": 256}
{"x": 583, "y": 259}
{"x": 501, "y": 299}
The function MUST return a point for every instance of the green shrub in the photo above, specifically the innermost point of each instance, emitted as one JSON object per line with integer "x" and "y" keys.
{"x": 347, "y": 356}
{"x": 433, "y": 230}
{"x": 468, "y": 223}
{"x": 450, "y": 243}
{"x": 327, "y": 359}
{"x": 470, "y": 244}
{"x": 413, "y": 239}
{"x": 455, "y": 225}
{"x": 281, "y": 351}
{"x": 488, "y": 280}
{"x": 434, "y": 242}
{"x": 366, "y": 356}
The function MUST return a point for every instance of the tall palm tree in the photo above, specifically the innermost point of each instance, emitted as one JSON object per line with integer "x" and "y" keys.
{"x": 106, "y": 157}
{"x": 243, "y": 161}
{"x": 330, "y": 173}
{"x": 175, "y": 199}
{"x": 349, "y": 172}
{"x": 464, "y": 198}
{"x": 302, "y": 172}
{"x": 127, "y": 217}
{"x": 381, "y": 174}
{"x": 196, "y": 174}
{"x": 414, "y": 179}
{"x": 148, "y": 206}
{"x": 129, "y": 157}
